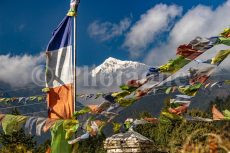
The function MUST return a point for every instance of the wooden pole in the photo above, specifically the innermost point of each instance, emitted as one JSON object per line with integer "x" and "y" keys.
{"x": 75, "y": 61}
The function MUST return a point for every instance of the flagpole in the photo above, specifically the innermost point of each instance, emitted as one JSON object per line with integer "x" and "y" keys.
{"x": 75, "y": 63}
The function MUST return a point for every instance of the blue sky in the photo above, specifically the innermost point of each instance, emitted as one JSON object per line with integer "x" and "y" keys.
{"x": 26, "y": 26}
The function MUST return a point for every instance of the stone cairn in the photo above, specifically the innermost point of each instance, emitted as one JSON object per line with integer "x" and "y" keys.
{"x": 129, "y": 142}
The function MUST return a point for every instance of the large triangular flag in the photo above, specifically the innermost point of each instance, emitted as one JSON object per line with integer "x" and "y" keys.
{"x": 59, "y": 73}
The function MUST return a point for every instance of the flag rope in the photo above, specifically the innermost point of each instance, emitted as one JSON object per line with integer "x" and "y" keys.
{"x": 21, "y": 106}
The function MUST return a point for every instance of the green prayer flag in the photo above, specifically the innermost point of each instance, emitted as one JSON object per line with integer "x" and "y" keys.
{"x": 128, "y": 88}
{"x": 116, "y": 127}
{"x": 121, "y": 94}
{"x": 174, "y": 65}
{"x": 190, "y": 90}
{"x": 58, "y": 142}
{"x": 70, "y": 126}
{"x": 45, "y": 90}
{"x": 220, "y": 56}
{"x": 125, "y": 102}
{"x": 224, "y": 40}
{"x": 127, "y": 124}
{"x": 82, "y": 111}
{"x": 226, "y": 32}
{"x": 168, "y": 90}
{"x": 32, "y": 98}
{"x": 40, "y": 98}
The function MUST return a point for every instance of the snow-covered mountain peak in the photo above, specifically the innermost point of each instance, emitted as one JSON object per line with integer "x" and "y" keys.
{"x": 111, "y": 59}
{"x": 113, "y": 65}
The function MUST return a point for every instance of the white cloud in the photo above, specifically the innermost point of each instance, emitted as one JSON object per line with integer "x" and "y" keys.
{"x": 153, "y": 22}
{"x": 17, "y": 70}
{"x": 104, "y": 31}
{"x": 199, "y": 21}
